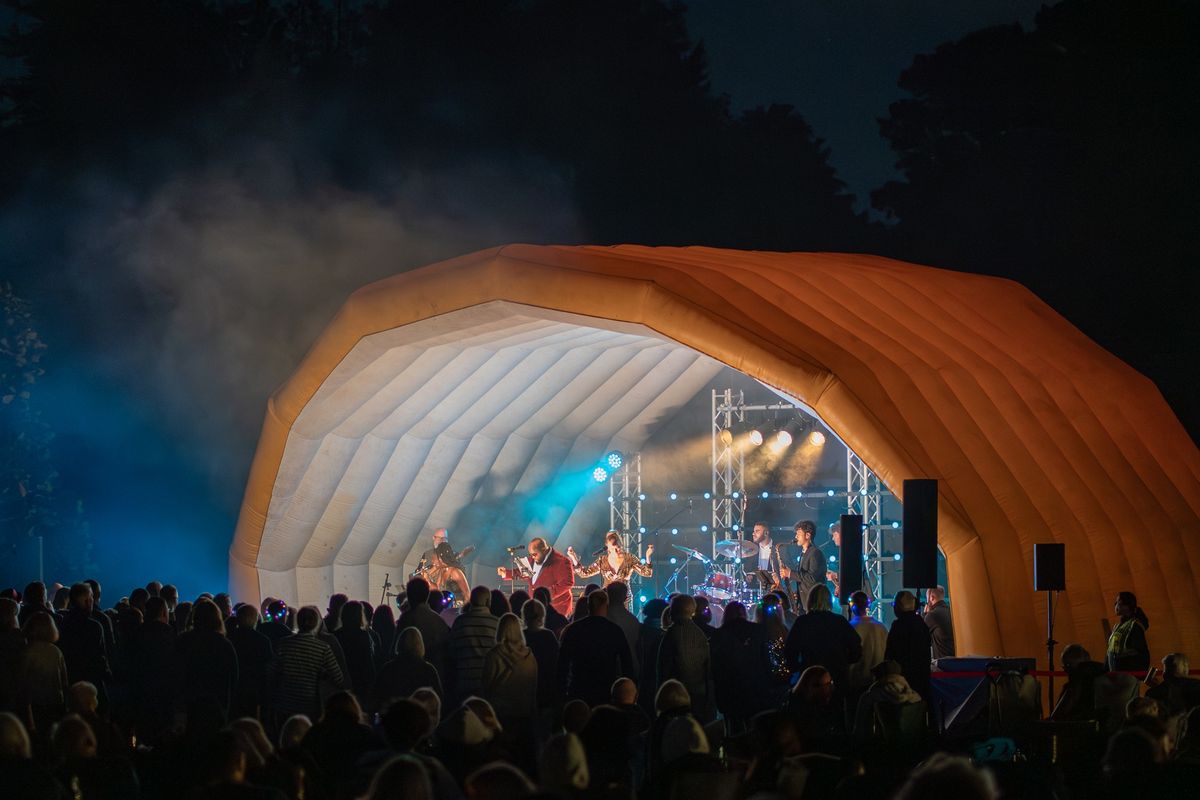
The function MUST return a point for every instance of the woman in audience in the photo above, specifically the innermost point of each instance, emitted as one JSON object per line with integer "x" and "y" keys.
{"x": 510, "y": 677}
{"x": 402, "y": 778}
{"x": 383, "y": 622}
{"x": 406, "y": 673}
{"x": 42, "y": 675}
{"x": 357, "y": 646}
{"x": 1127, "y": 648}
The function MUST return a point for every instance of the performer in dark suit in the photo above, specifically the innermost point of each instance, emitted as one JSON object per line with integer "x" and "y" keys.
{"x": 548, "y": 568}
{"x": 811, "y": 570}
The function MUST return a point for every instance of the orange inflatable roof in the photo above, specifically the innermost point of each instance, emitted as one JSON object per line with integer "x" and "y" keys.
{"x": 491, "y": 371}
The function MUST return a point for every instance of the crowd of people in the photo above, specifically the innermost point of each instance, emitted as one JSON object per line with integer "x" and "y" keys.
{"x": 507, "y": 697}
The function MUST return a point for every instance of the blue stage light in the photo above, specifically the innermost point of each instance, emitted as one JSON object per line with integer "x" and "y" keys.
{"x": 614, "y": 459}
{"x": 599, "y": 474}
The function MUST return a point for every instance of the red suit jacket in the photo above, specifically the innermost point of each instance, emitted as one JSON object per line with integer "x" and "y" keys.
{"x": 557, "y": 575}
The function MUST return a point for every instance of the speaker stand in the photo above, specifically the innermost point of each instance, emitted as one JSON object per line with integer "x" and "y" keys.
{"x": 1050, "y": 598}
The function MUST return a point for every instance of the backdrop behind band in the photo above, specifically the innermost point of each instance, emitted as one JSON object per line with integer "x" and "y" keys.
{"x": 487, "y": 380}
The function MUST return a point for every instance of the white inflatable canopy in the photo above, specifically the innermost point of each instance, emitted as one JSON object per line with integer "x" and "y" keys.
{"x": 499, "y": 406}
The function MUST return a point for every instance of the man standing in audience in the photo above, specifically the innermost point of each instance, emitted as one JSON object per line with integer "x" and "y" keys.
{"x": 471, "y": 637}
{"x": 618, "y": 594}
{"x": 433, "y": 628}
{"x": 684, "y": 656}
{"x": 302, "y": 662}
{"x": 908, "y": 643}
{"x": 592, "y": 654}
{"x": 81, "y": 640}
{"x": 937, "y": 619}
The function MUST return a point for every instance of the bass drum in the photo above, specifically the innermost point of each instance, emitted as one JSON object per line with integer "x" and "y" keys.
{"x": 718, "y": 587}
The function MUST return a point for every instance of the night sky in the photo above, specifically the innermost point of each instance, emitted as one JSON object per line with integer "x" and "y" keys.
{"x": 180, "y": 269}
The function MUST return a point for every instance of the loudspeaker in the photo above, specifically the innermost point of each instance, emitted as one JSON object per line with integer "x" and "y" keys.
{"x": 920, "y": 533}
{"x": 1050, "y": 567}
{"x": 850, "y": 563}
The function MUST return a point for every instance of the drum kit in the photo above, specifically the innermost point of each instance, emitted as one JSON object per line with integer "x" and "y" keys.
{"x": 726, "y": 577}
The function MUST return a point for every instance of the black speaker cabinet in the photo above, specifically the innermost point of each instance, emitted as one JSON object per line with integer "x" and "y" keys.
{"x": 850, "y": 563}
{"x": 920, "y": 533}
{"x": 1050, "y": 567}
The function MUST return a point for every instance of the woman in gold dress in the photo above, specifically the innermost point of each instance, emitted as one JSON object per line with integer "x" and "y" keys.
{"x": 615, "y": 564}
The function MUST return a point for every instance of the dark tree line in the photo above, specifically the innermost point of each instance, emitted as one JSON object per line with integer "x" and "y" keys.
{"x": 1061, "y": 156}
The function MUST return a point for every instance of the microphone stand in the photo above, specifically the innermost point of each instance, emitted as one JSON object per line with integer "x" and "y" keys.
{"x": 672, "y": 581}
{"x": 387, "y": 584}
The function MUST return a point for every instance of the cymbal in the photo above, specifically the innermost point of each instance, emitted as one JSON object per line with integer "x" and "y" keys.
{"x": 696, "y": 554}
{"x": 736, "y": 548}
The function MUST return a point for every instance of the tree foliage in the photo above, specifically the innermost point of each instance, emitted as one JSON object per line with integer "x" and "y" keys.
{"x": 1064, "y": 157}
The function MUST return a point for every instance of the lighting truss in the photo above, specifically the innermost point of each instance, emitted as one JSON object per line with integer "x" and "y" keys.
{"x": 864, "y": 496}
{"x": 625, "y": 502}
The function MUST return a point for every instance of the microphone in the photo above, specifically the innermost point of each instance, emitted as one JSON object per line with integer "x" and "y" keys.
{"x": 515, "y": 548}
{"x": 600, "y": 552}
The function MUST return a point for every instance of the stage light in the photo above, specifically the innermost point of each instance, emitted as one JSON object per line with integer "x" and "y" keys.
{"x": 704, "y": 529}
{"x": 614, "y": 459}
{"x": 642, "y": 529}
{"x": 863, "y": 491}
{"x": 765, "y": 495}
{"x": 782, "y": 439}
{"x": 735, "y": 526}
{"x": 830, "y": 493}
{"x": 816, "y": 438}
{"x": 896, "y": 525}
{"x": 756, "y": 438}
{"x": 673, "y": 496}
{"x": 610, "y": 499}
{"x": 737, "y": 561}
{"x": 725, "y": 437}
{"x": 799, "y": 494}
{"x": 896, "y": 557}
{"x": 736, "y": 495}
{"x": 708, "y": 495}
{"x": 641, "y": 496}
{"x": 674, "y": 531}
{"x": 642, "y": 598}
{"x": 673, "y": 559}
{"x": 599, "y": 474}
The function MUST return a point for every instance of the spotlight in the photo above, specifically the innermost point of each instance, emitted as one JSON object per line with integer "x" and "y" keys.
{"x": 896, "y": 557}
{"x": 896, "y": 525}
{"x": 673, "y": 559}
{"x": 599, "y": 474}
{"x": 816, "y": 438}
{"x": 863, "y": 491}
{"x": 765, "y": 495}
{"x": 642, "y": 529}
{"x": 641, "y": 496}
{"x": 610, "y": 498}
{"x": 799, "y": 494}
{"x": 704, "y": 529}
{"x": 756, "y": 438}
{"x": 708, "y": 495}
{"x": 725, "y": 437}
{"x": 673, "y": 496}
{"x": 736, "y": 495}
{"x": 614, "y": 459}
{"x": 641, "y": 598}
{"x": 737, "y": 561}
{"x": 783, "y": 439}
{"x": 830, "y": 493}
{"x": 735, "y": 526}
{"x": 674, "y": 531}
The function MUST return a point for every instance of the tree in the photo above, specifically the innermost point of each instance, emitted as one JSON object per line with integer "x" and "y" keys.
{"x": 1063, "y": 157}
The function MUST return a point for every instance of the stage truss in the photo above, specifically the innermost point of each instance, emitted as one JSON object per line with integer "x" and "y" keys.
{"x": 864, "y": 490}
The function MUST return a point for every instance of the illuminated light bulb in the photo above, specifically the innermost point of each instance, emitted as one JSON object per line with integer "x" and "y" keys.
{"x": 674, "y": 496}
{"x": 830, "y": 493}
{"x": 766, "y": 495}
{"x": 599, "y": 474}
{"x": 784, "y": 439}
{"x": 672, "y": 559}
{"x": 816, "y": 438}
{"x": 756, "y": 438}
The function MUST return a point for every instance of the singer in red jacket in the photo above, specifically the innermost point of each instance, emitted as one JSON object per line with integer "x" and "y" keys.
{"x": 547, "y": 567}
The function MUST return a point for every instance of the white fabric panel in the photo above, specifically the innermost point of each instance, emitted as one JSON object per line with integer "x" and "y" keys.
{"x": 489, "y": 420}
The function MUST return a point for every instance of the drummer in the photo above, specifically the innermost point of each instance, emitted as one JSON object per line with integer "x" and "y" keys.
{"x": 761, "y": 536}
